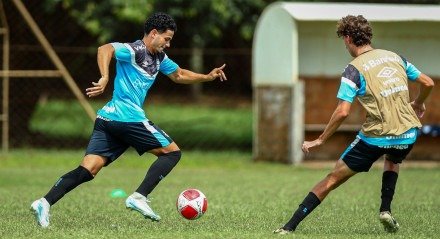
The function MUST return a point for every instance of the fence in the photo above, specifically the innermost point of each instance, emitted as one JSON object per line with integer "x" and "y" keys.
{"x": 43, "y": 112}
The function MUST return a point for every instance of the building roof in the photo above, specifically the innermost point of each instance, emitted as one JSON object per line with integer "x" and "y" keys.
{"x": 286, "y": 44}
{"x": 373, "y": 12}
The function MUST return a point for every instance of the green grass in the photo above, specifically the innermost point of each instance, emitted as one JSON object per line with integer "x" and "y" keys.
{"x": 191, "y": 126}
{"x": 245, "y": 199}
{"x": 61, "y": 119}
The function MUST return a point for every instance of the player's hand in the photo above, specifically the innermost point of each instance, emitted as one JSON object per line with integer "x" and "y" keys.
{"x": 218, "y": 73}
{"x": 310, "y": 144}
{"x": 419, "y": 109}
{"x": 98, "y": 87}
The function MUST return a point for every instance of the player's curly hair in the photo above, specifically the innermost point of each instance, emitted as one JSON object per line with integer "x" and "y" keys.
{"x": 357, "y": 28}
{"x": 161, "y": 22}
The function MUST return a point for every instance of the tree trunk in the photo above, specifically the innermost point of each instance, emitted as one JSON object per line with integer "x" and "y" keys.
{"x": 196, "y": 66}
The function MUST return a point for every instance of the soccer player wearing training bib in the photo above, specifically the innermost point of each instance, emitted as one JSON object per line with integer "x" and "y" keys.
{"x": 379, "y": 80}
{"x": 122, "y": 123}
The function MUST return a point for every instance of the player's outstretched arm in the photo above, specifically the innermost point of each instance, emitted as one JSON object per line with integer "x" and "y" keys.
{"x": 184, "y": 76}
{"x": 426, "y": 85}
{"x": 339, "y": 115}
{"x": 104, "y": 56}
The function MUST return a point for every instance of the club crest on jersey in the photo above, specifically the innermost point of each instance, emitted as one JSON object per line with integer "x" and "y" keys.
{"x": 140, "y": 84}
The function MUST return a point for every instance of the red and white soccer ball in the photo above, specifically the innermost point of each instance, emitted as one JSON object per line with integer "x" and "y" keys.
{"x": 191, "y": 204}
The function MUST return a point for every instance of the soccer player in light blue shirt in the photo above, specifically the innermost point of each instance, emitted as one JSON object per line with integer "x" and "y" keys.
{"x": 122, "y": 123}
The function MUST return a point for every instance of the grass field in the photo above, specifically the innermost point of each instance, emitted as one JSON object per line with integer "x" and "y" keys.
{"x": 245, "y": 199}
{"x": 195, "y": 126}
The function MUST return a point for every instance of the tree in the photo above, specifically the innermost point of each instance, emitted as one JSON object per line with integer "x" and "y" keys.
{"x": 200, "y": 23}
{"x": 203, "y": 20}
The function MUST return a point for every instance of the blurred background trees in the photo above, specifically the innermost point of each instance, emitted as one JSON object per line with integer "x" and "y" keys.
{"x": 210, "y": 33}
{"x": 205, "y": 22}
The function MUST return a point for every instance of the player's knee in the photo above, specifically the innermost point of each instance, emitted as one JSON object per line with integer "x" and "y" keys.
{"x": 173, "y": 147}
{"x": 389, "y": 165}
{"x": 85, "y": 174}
{"x": 176, "y": 155}
{"x": 171, "y": 158}
{"x": 165, "y": 150}
{"x": 93, "y": 163}
{"x": 91, "y": 169}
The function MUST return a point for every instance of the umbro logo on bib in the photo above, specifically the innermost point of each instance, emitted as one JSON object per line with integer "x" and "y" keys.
{"x": 387, "y": 72}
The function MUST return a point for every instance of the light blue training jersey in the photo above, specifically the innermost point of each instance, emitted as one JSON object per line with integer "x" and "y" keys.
{"x": 353, "y": 84}
{"x": 136, "y": 71}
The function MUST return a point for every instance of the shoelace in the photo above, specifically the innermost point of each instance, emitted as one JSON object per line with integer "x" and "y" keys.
{"x": 143, "y": 199}
{"x": 148, "y": 200}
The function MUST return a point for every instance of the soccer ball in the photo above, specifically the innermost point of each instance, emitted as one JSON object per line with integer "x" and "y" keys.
{"x": 191, "y": 204}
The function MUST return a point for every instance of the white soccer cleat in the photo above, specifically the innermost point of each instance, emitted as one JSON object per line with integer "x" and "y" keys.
{"x": 41, "y": 208}
{"x": 389, "y": 223}
{"x": 139, "y": 202}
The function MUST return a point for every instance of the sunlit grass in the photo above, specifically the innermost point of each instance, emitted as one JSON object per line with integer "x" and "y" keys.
{"x": 245, "y": 199}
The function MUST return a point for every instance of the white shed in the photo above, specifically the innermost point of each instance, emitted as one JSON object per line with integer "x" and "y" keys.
{"x": 292, "y": 40}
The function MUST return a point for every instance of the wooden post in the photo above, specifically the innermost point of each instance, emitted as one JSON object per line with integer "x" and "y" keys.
{"x": 55, "y": 59}
{"x": 279, "y": 123}
{"x": 5, "y": 82}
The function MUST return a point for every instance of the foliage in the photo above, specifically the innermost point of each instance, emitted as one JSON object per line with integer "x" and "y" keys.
{"x": 245, "y": 199}
{"x": 201, "y": 21}
{"x": 386, "y": 1}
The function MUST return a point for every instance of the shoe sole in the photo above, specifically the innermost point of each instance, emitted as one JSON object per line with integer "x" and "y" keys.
{"x": 152, "y": 218}
{"x": 282, "y": 232}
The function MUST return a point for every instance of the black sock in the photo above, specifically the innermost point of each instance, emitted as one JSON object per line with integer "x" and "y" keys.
{"x": 311, "y": 201}
{"x": 158, "y": 170}
{"x": 68, "y": 182}
{"x": 389, "y": 180}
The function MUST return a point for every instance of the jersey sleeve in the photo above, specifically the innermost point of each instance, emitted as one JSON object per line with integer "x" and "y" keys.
{"x": 411, "y": 71}
{"x": 168, "y": 66}
{"x": 122, "y": 53}
{"x": 350, "y": 84}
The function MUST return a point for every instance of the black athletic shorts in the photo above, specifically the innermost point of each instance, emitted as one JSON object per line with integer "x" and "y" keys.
{"x": 111, "y": 138}
{"x": 360, "y": 156}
